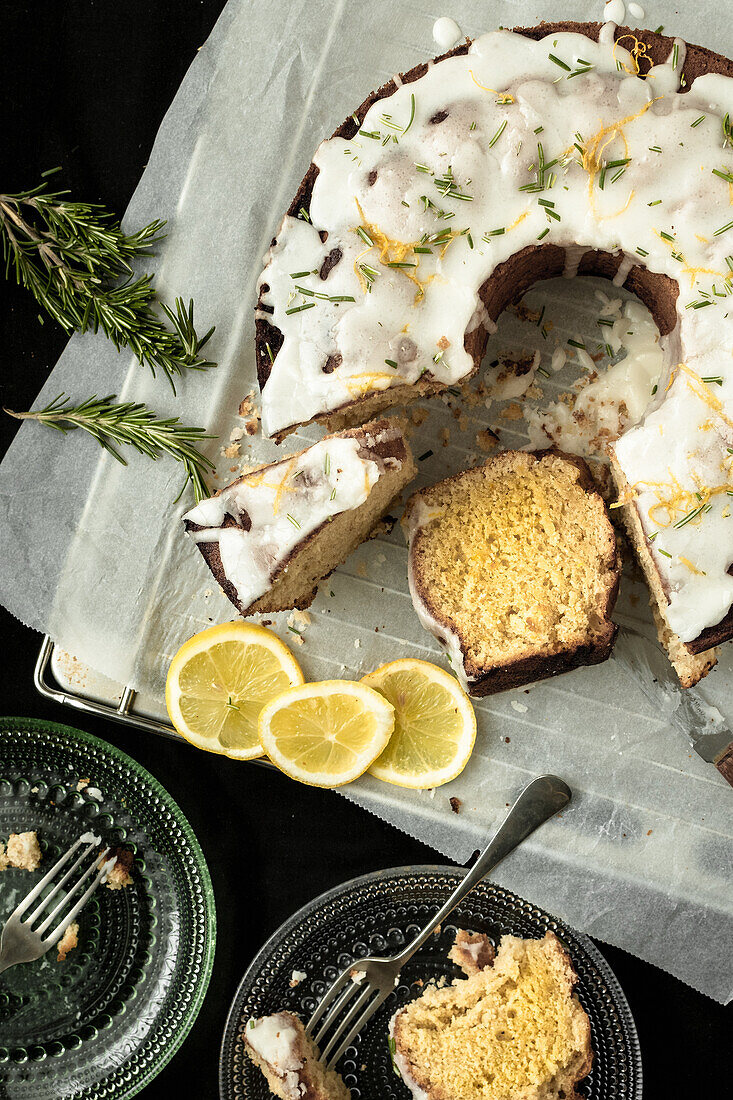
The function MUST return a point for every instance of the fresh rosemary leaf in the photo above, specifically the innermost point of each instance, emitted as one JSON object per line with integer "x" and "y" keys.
{"x": 133, "y": 424}
{"x": 74, "y": 258}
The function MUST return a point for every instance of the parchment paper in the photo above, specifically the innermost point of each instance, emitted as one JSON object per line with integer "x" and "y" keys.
{"x": 93, "y": 553}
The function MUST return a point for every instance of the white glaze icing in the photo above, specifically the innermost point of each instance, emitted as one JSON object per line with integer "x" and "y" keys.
{"x": 490, "y": 141}
{"x": 275, "y": 1040}
{"x": 285, "y": 503}
{"x": 615, "y": 11}
{"x": 607, "y": 404}
{"x": 402, "y": 1065}
{"x": 446, "y": 32}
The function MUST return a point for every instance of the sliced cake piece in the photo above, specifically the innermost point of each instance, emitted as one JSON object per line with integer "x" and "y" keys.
{"x": 279, "y": 1046}
{"x": 513, "y": 1030}
{"x": 273, "y": 534}
{"x": 513, "y": 567}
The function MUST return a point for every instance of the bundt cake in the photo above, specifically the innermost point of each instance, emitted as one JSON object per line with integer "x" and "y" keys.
{"x": 273, "y": 534}
{"x": 569, "y": 149}
{"x": 279, "y": 1046}
{"x": 512, "y": 1030}
{"x": 513, "y": 567}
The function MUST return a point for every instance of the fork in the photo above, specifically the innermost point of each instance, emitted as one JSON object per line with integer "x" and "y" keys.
{"x": 19, "y": 941}
{"x": 367, "y": 983}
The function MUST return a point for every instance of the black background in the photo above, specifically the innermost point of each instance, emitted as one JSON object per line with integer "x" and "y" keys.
{"x": 85, "y": 85}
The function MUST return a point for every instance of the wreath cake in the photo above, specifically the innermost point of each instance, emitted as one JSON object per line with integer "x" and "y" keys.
{"x": 562, "y": 149}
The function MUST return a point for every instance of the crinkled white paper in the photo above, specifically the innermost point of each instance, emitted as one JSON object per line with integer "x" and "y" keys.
{"x": 93, "y": 553}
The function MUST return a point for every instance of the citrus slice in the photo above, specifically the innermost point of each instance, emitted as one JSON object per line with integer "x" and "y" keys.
{"x": 435, "y": 726}
{"x": 326, "y": 734}
{"x": 219, "y": 681}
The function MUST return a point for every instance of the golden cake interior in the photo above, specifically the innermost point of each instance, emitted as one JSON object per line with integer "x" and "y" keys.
{"x": 513, "y": 1029}
{"x": 520, "y": 558}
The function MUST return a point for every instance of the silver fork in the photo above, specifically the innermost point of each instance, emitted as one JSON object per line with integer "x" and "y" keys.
{"x": 20, "y": 942}
{"x": 367, "y": 983}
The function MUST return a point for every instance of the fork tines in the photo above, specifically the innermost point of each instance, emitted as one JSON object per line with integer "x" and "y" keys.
{"x": 101, "y": 865}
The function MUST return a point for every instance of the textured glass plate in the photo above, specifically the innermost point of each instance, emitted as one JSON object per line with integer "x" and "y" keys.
{"x": 378, "y": 914}
{"x": 105, "y": 1021}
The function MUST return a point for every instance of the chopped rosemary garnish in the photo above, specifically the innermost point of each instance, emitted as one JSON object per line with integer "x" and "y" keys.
{"x": 493, "y": 233}
{"x": 727, "y": 130}
{"x": 699, "y": 511}
{"x": 698, "y": 121}
{"x": 576, "y": 344}
{"x": 333, "y": 494}
{"x": 299, "y": 274}
{"x": 724, "y": 175}
{"x": 543, "y": 233}
{"x": 656, "y": 202}
{"x": 713, "y": 380}
{"x": 299, "y": 309}
{"x": 655, "y": 149}
{"x": 723, "y": 229}
{"x": 675, "y": 55}
{"x": 303, "y": 213}
{"x": 498, "y": 134}
{"x": 391, "y": 363}
{"x": 293, "y": 520}
{"x": 412, "y": 114}
{"x": 361, "y": 232}
{"x": 399, "y": 263}
{"x": 422, "y": 250}
{"x": 642, "y": 251}
{"x": 665, "y": 552}
{"x": 327, "y": 465}
{"x": 269, "y": 353}
{"x": 556, "y": 60}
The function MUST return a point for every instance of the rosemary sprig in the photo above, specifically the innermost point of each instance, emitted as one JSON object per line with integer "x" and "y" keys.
{"x": 75, "y": 260}
{"x": 131, "y": 423}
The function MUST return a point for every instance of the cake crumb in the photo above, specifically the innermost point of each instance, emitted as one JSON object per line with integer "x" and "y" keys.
{"x": 455, "y": 804}
{"x": 82, "y": 784}
{"x": 519, "y": 707}
{"x": 486, "y": 440}
{"x": 361, "y": 570}
{"x": 445, "y": 436}
{"x": 68, "y": 941}
{"x": 22, "y": 851}
{"x": 419, "y": 416}
{"x": 511, "y": 412}
{"x": 297, "y": 977}
{"x": 232, "y": 451}
{"x": 120, "y": 876}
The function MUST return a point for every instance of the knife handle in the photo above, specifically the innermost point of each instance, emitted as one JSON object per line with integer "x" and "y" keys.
{"x": 724, "y": 763}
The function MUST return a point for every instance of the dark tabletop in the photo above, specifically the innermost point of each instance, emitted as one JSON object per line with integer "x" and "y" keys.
{"x": 84, "y": 84}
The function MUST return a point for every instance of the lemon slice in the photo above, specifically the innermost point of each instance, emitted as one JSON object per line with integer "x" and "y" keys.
{"x": 326, "y": 734}
{"x": 220, "y": 679}
{"x": 435, "y": 726}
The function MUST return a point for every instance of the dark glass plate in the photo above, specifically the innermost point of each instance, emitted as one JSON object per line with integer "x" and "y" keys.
{"x": 105, "y": 1021}
{"x": 380, "y": 913}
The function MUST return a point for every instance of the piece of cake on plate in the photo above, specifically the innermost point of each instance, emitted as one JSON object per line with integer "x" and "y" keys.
{"x": 279, "y": 1046}
{"x": 512, "y": 1030}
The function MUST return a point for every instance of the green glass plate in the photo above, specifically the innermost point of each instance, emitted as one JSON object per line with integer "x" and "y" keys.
{"x": 105, "y": 1021}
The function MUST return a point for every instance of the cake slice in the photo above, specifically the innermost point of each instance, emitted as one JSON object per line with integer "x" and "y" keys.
{"x": 513, "y": 1030}
{"x": 279, "y": 1046}
{"x": 690, "y": 662}
{"x": 273, "y": 534}
{"x": 513, "y": 567}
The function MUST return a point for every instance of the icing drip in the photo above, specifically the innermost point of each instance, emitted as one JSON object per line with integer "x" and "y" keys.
{"x": 446, "y": 33}
{"x": 518, "y": 143}
{"x": 279, "y": 509}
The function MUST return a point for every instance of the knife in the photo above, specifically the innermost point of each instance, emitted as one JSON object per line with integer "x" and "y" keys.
{"x": 703, "y": 724}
